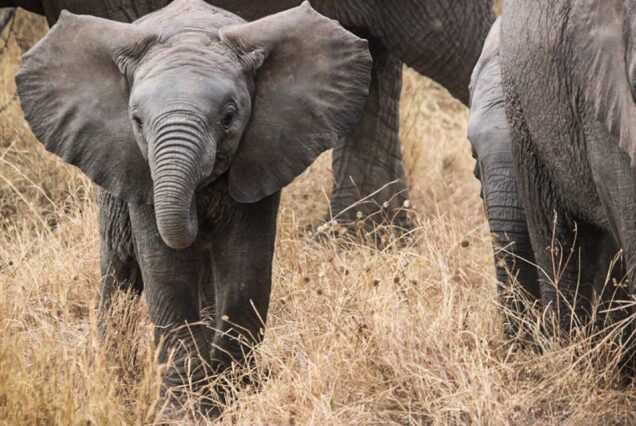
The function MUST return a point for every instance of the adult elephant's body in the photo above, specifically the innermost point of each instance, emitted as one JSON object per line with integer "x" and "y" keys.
{"x": 441, "y": 39}
{"x": 567, "y": 68}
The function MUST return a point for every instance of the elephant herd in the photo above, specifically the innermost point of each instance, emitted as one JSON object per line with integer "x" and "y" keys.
{"x": 192, "y": 115}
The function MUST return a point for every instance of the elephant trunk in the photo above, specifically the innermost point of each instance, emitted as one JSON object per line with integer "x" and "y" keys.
{"x": 175, "y": 160}
{"x": 514, "y": 256}
{"x": 508, "y": 228}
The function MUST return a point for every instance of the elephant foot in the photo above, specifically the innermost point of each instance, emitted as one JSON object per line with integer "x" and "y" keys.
{"x": 197, "y": 403}
{"x": 380, "y": 224}
{"x": 517, "y": 336}
{"x": 204, "y": 398}
{"x": 185, "y": 407}
{"x": 224, "y": 388}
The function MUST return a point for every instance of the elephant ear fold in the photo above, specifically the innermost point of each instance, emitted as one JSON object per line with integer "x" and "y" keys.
{"x": 602, "y": 62}
{"x": 75, "y": 98}
{"x": 310, "y": 91}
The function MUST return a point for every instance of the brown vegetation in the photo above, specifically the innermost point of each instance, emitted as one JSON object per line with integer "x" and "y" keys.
{"x": 355, "y": 336}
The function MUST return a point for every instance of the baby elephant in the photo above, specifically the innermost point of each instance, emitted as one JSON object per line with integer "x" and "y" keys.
{"x": 191, "y": 121}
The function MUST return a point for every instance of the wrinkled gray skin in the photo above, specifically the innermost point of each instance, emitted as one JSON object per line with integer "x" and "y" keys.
{"x": 568, "y": 78}
{"x": 490, "y": 138}
{"x": 192, "y": 121}
{"x": 441, "y": 39}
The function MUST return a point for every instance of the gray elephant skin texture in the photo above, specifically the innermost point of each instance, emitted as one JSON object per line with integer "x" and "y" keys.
{"x": 567, "y": 72}
{"x": 441, "y": 39}
{"x": 191, "y": 121}
{"x": 490, "y": 138}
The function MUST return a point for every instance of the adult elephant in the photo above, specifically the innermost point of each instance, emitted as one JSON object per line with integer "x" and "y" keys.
{"x": 568, "y": 75}
{"x": 441, "y": 39}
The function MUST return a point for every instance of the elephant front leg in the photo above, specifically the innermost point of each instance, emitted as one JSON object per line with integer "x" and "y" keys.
{"x": 368, "y": 173}
{"x": 242, "y": 264}
{"x": 172, "y": 279}
{"x": 119, "y": 269}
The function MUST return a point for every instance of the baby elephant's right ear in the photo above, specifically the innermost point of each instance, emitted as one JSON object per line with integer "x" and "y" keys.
{"x": 75, "y": 98}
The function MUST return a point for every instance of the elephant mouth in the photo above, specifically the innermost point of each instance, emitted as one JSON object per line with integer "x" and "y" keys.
{"x": 219, "y": 172}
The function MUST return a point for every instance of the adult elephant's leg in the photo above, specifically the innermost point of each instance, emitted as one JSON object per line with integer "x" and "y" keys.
{"x": 491, "y": 141}
{"x": 243, "y": 249}
{"x": 614, "y": 178}
{"x": 172, "y": 279}
{"x": 369, "y": 161}
{"x": 553, "y": 232}
{"x": 119, "y": 268}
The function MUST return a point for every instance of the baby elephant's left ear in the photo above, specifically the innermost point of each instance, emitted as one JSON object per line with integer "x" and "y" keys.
{"x": 310, "y": 91}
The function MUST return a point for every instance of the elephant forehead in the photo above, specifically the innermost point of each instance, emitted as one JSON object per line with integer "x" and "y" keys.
{"x": 190, "y": 53}
{"x": 188, "y": 15}
{"x": 186, "y": 85}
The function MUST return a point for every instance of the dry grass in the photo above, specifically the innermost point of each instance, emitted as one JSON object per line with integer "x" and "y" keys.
{"x": 355, "y": 336}
{"x": 498, "y": 4}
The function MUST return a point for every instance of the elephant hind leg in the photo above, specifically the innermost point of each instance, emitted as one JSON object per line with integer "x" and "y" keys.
{"x": 566, "y": 253}
{"x": 615, "y": 179}
{"x": 565, "y": 249}
{"x": 367, "y": 165}
{"x": 119, "y": 268}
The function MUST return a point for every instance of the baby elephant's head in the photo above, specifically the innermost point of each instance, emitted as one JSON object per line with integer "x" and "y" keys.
{"x": 153, "y": 110}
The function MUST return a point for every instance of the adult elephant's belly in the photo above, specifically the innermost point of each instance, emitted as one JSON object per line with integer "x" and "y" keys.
{"x": 255, "y": 9}
{"x": 116, "y": 10}
{"x": 130, "y": 10}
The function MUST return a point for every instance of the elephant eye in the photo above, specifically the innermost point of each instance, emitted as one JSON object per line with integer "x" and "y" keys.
{"x": 229, "y": 116}
{"x": 138, "y": 123}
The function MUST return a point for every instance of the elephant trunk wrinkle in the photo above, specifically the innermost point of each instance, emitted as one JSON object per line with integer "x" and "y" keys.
{"x": 177, "y": 152}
